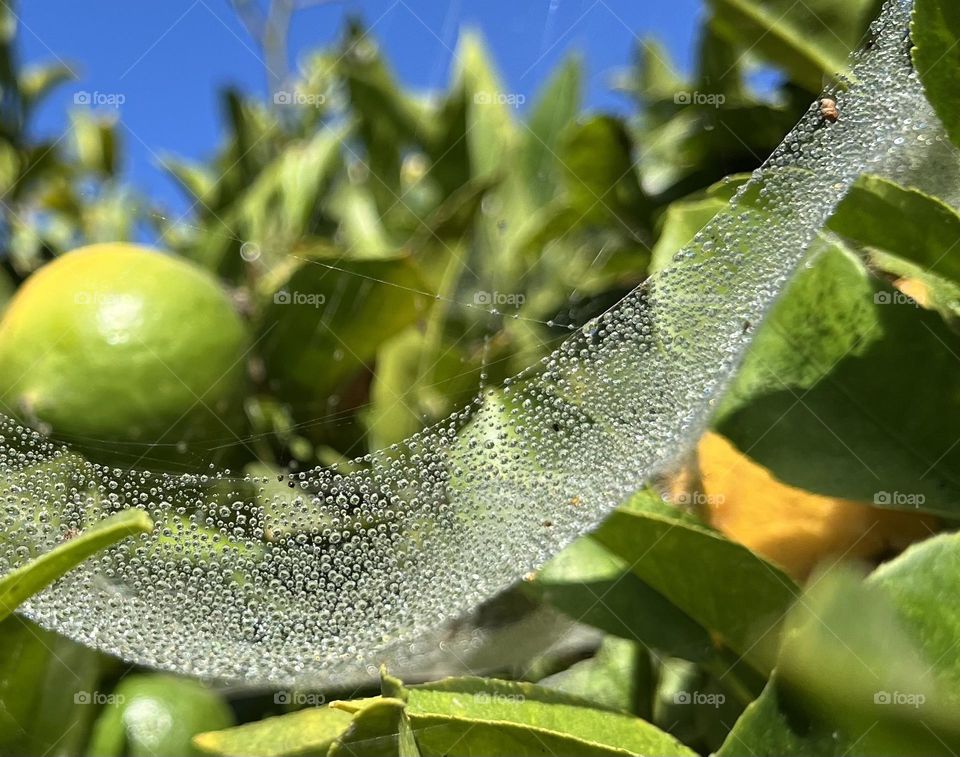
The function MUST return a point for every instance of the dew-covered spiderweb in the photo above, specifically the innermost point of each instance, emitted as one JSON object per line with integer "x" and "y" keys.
{"x": 313, "y": 579}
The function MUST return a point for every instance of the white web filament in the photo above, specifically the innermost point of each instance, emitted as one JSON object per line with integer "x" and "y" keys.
{"x": 312, "y": 581}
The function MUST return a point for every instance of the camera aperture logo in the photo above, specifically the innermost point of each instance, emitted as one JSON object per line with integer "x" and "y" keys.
{"x": 310, "y": 299}
{"x": 97, "y": 99}
{"x": 710, "y": 99}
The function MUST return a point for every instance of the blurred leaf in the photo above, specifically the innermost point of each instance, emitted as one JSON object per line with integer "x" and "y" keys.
{"x": 156, "y": 714}
{"x": 722, "y": 585}
{"x": 329, "y": 320}
{"x": 808, "y": 40}
{"x": 768, "y": 727}
{"x": 935, "y": 33}
{"x": 867, "y": 667}
{"x": 681, "y": 223}
{"x": 36, "y": 82}
{"x": 46, "y": 690}
{"x": 894, "y": 688}
{"x": 362, "y": 228}
{"x": 23, "y": 582}
{"x": 94, "y": 141}
{"x": 556, "y": 106}
{"x": 198, "y": 180}
{"x": 600, "y": 180}
{"x": 808, "y": 405}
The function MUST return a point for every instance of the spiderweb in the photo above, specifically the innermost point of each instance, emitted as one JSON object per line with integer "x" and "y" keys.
{"x": 313, "y": 580}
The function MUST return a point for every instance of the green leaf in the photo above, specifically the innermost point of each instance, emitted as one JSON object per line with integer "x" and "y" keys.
{"x": 375, "y": 731}
{"x": 922, "y": 583}
{"x": 601, "y": 183}
{"x": 681, "y": 223}
{"x": 95, "y": 141}
{"x": 807, "y": 403}
{"x": 867, "y": 667}
{"x": 592, "y": 585}
{"x": 936, "y": 35}
{"x": 555, "y": 108}
{"x": 808, "y": 40}
{"x": 46, "y": 687}
{"x": 768, "y": 727}
{"x": 613, "y": 678}
{"x": 307, "y": 732}
{"x": 464, "y": 716}
{"x": 36, "y": 82}
{"x": 906, "y": 222}
{"x": 721, "y": 585}
{"x": 328, "y": 320}
{"x": 156, "y": 714}
{"x": 22, "y": 583}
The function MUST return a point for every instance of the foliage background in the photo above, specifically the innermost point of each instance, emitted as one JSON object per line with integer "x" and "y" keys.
{"x": 462, "y": 239}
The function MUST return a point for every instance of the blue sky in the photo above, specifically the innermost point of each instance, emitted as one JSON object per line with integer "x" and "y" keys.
{"x": 169, "y": 58}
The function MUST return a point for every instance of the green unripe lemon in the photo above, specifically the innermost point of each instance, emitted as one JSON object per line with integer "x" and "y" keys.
{"x": 125, "y": 352}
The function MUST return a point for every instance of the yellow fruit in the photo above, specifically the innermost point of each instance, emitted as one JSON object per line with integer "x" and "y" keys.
{"x": 792, "y": 527}
{"x": 125, "y": 352}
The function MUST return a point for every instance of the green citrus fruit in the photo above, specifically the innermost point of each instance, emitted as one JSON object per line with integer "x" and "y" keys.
{"x": 125, "y": 352}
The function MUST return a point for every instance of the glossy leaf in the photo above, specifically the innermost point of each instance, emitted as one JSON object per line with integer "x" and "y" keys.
{"x": 20, "y": 584}
{"x": 906, "y": 222}
{"x": 594, "y": 586}
{"x": 808, "y": 40}
{"x": 936, "y": 54}
{"x": 721, "y": 585}
{"x": 485, "y": 716}
{"x": 307, "y": 732}
{"x": 807, "y": 403}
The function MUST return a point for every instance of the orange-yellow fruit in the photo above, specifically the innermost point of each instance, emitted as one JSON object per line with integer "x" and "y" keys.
{"x": 790, "y": 526}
